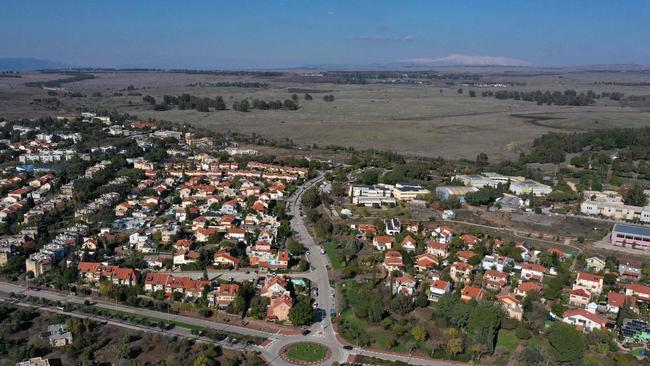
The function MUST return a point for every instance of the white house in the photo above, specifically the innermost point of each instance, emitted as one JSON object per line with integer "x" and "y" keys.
{"x": 583, "y": 319}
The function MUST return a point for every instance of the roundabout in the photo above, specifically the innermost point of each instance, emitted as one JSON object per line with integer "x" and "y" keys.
{"x": 305, "y": 353}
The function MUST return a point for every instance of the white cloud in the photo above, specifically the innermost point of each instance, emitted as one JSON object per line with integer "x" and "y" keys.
{"x": 456, "y": 59}
{"x": 331, "y": 13}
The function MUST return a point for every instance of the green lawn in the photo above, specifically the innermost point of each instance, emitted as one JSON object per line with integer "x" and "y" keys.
{"x": 508, "y": 340}
{"x": 306, "y": 352}
{"x": 155, "y": 319}
{"x": 537, "y": 343}
{"x": 332, "y": 252}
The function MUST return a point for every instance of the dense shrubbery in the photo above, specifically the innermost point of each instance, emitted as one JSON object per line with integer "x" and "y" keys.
{"x": 568, "y": 97}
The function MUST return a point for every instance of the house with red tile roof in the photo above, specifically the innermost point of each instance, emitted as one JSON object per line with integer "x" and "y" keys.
{"x": 443, "y": 234}
{"x": 615, "y": 301}
{"x": 437, "y": 249}
{"x": 238, "y": 234}
{"x": 532, "y": 272}
{"x": 183, "y": 244}
{"x": 559, "y": 252}
{"x": 470, "y": 240}
{"x": 437, "y": 288}
{"x": 274, "y": 287}
{"x": 95, "y": 272}
{"x": 383, "y": 242}
{"x": 526, "y": 287}
{"x": 204, "y": 234}
{"x": 641, "y": 292}
{"x": 465, "y": 255}
{"x": 199, "y": 222}
{"x": 471, "y": 293}
{"x": 425, "y": 261}
{"x": 584, "y": 320}
{"x": 579, "y": 297}
{"x": 590, "y": 282}
{"x": 511, "y": 306}
{"x": 154, "y": 282}
{"x": 223, "y": 295}
{"x": 223, "y": 258}
{"x": 408, "y": 243}
{"x": 393, "y": 261}
{"x": 279, "y": 308}
{"x": 630, "y": 268}
{"x": 404, "y": 285}
{"x": 494, "y": 280}
{"x": 184, "y": 256}
{"x": 367, "y": 230}
{"x": 461, "y": 272}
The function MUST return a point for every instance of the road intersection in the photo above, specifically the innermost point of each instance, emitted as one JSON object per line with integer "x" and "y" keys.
{"x": 322, "y": 331}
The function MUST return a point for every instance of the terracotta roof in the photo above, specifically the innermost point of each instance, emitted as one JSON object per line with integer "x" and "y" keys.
{"x": 615, "y": 299}
{"x": 472, "y": 292}
{"x": 507, "y": 299}
{"x": 383, "y": 239}
{"x": 463, "y": 266}
{"x": 426, "y": 260}
{"x": 533, "y": 267}
{"x": 439, "y": 284}
{"x": 435, "y": 245}
{"x": 589, "y": 277}
{"x": 581, "y": 292}
{"x": 465, "y": 254}
{"x": 404, "y": 279}
{"x": 529, "y": 286}
{"x": 584, "y": 313}
{"x": 227, "y": 256}
{"x": 230, "y": 289}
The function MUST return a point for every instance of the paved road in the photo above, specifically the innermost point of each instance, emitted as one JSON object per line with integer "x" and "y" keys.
{"x": 238, "y": 275}
{"x": 57, "y": 296}
{"x": 321, "y": 331}
{"x": 176, "y": 331}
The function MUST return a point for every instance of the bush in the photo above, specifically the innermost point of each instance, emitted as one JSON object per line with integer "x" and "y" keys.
{"x": 205, "y": 312}
{"x": 522, "y": 333}
{"x": 509, "y": 323}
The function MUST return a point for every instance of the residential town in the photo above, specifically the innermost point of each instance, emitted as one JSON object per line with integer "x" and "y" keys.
{"x": 164, "y": 218}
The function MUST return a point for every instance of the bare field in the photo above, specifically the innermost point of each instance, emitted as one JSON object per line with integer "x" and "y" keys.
{"x": 426, "y": 120}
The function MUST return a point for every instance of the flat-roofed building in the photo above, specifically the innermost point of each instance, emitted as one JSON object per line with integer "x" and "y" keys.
{"x": 446, "y": 193}
{"x": 615, "y": 210}
{"x": 634, "y": 236}
{"x": 409, "y": 192}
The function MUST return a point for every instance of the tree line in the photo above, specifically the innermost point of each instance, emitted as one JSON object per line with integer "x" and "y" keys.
{"x": 57, "y": 82}
{"x": 205, "y": 104}
{"x": 553, "y": 147}
{"x": 568, "y": 97}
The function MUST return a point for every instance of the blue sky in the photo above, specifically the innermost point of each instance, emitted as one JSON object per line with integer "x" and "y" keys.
{"x": 282, "y": 33}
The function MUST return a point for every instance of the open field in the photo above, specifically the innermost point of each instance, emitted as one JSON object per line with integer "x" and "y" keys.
{"x": 415, "y": 119}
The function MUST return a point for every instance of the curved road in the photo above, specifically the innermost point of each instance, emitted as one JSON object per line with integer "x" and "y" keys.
{"x": 320, "y": 332}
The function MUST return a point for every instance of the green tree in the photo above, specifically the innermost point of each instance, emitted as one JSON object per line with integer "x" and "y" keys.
{"x": 483, "y": 324}
{"x": 301, "y": 313}
{"x": 568, "y": 344}
{"x": 635, "y": 196}
{"x": 204, "y": 360}
{"x": 419, "y": 333}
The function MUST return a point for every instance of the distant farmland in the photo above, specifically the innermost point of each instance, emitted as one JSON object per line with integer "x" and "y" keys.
{"x": 430, "y": 119}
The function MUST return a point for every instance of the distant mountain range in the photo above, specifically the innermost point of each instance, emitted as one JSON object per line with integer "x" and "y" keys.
{"x": 465, "y": 60}
{"x": 27, "y": 64}
{"x": 454, "y": 60}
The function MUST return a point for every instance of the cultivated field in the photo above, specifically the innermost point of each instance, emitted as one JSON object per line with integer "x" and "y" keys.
{"x": 416, "y": 119}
